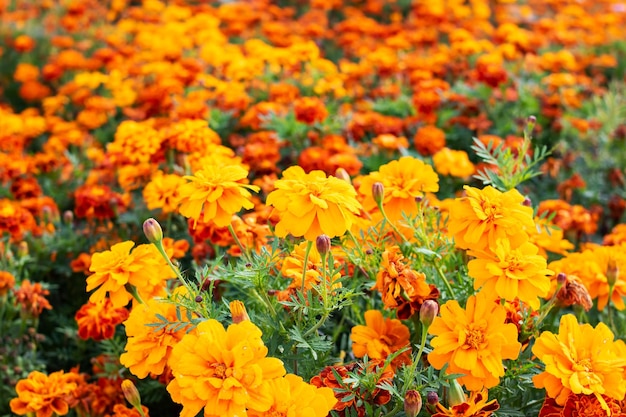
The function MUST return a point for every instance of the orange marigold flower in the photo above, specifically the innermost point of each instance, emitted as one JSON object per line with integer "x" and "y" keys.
{"x": 99, "y": 320}
{"x": 581, "y": 405}
{"x": 310, "y": 110}
{"x": 454, "y": 163}
{"x": 143, "y": 268}
{"x": 581, "y": 359}
{"x": 402, "y": 288}
{"x": 474, "y": 341}
{"x": 149, "y": 346}
{"x": 81, "y": 263}
{"x": 134, "y": 143}
{"x": 190, "y": 136}
{"x": 403, "y": 180}
{"x": 381, "y": 337}
{"x": 98, "y": 202}
{"x": 476, "y": 405}
{"x": 15, "y": 219}
{"x": 483, "y": 216}
{"x": 292, "y": 396}
{"x": 429, "y": 140}
{"x": 44, "y": 395}
{"x": 573, "y": 292}
{"x": 32, "y": 298}
{"x": 390, "y": 142}
{"x": 311, "y": 204}
{"x": 162, "y": 192}
{"x": 223, "y": 371}
{"x": 592, "y": 266}
{"x": 218, "y": 191}
{"x": 7, "y": 281}
{"x": 511, "y": 273}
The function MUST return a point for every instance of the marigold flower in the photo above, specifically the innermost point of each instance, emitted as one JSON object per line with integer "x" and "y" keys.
{"x": 120, "y": 410}
{"x": 7, "y": 281}
{"x": 429, "y": 140}
{"x": 381, "y": 337}
{"x": 44, "y": 395}
{"x": 143, "y": 268}
{"x": 162, "y": 192}
{"x": 98, "y": 201}
{"x": 15, "y": 219}
{"x": 311, "y": 204}
{"x": 453, "y": 162}
{"x": 592, "y": 268}
{"x": 581, "y": 405}
{"x": 511, "y": 272}
{"x": 483, "y": 216}
{"x": 403, "y": 180}
{"x": 293, "y": 396}
{"x": 99, "y": 320}
{"x": 218, "y": 191}
{"x": 474, "y": 341}
{"x": 581, "y": 359}
{"x": 32, "y": 298}
{"x": 402, "y": 288}
{"x": 477, "y": 405}
{"x": 224, "y": 371}
{"x": 309, "y": 110}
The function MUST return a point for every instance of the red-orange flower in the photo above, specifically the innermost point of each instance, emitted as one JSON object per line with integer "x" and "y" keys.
{"x": 32, "y": 298}
{"x": 99, "y": 320}
{"x": 7, "y": 281}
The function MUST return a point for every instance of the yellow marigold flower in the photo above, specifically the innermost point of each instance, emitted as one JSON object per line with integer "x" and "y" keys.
{"x": 511, "y": 272}
{"x": 143, "y": 268}
{"x": 403, "y": 181}
{"x": 477, "y": 405}
{"x": 224, "y": 371}
{"x": 219, "y": 191}
{"x": 381, "y": 337}
{"x": 148, "y": 347}
{"x": 162, "y": 192}
{"x": 483, "y": 216}
{"x": 454, "y": 163}
{"x": 44, "y": 395}
{"x": 592, "y": 267}
{"x": 473, "y": 341}
{"x": 311, "y": 204}
{"x": 294, "y": 397}
{"x": 581, "y": 359}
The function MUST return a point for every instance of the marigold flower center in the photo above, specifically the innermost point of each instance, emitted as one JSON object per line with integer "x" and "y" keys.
{"x": 474, "y": 338}
{"x": 219, "y": 370}
{"x": 490, "y": 211}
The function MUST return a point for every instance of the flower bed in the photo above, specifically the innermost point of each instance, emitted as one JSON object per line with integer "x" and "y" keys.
{"x": 343, "y": 208}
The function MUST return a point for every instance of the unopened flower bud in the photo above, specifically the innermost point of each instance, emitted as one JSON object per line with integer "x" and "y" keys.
{"x": 378, "y": 192}
{"x": 561, "y": 278}
{"x": 456, "y": 395}
{"x": 432, "y": 397}
{"x": 68, "y": 216}
{"x": 612, "y": 272}
{"x": 342, "y": 174}
{"x": 198, "y": 298}
{"x": 238, "y": 312}
{"x": 428, "y": 312}
{"x": 131, "y": 393}
{"x": 412, "y": 403}
{"x": 22, "y": 249}
{"x": 322, "y": 243}
{"x": 152, "y": 230}
{"x": 527, "y": 202}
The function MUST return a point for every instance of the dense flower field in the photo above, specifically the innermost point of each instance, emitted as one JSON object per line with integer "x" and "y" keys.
{"x": 312, "y": 208}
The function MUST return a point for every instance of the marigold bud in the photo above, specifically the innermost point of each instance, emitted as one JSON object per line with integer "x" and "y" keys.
{"x": 432, "y": 397}
{"x": 152, "y": 230}
{"x": 456, "y": 395}
{"x": 428, "y": 312}
{"x": 612, "y": 272}
{"x": 378, "y": 192}
{"x": 322, "y": 243}
{"x": 527, "y": 202}
{"x": 68, "y": 216}
{"x": 131, "y": 393}
{"x": 22, "y": 249}
{"x": 342, "y": 174}
{"x": 238, "y": 312}
{"x": 561, "y": 278}
{"x": 530, "y": 124}
{"x": 412, "y": 403}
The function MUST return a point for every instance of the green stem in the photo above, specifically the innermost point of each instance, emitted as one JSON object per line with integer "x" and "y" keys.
{"x": 444, "y": 279}
{"x": 309, "y": 245}
{"x": 417, "y": 359}
{"x": 393, "y": 226}
{"x": 244, "y": 252}
{"x": 161, "y": 249}
{"x": 394, "y": 412}
{"x": 317, "y": 325}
